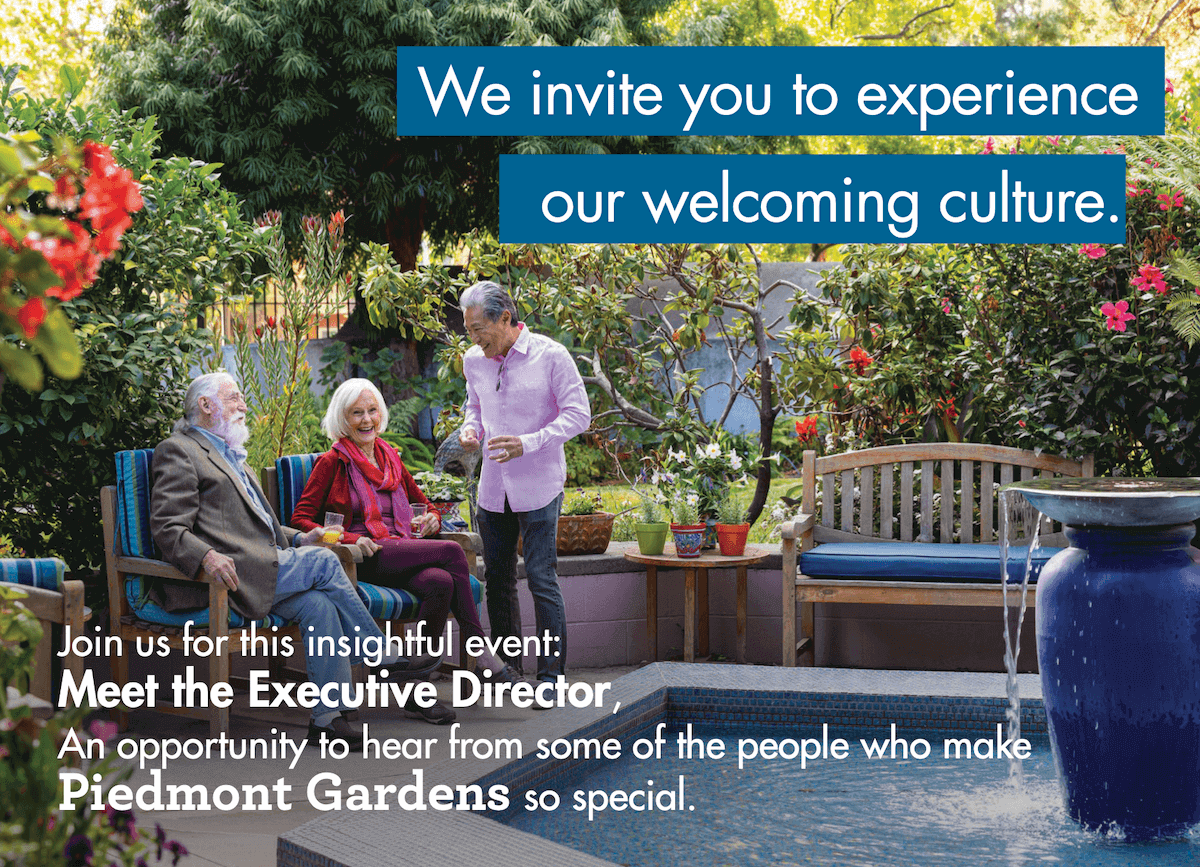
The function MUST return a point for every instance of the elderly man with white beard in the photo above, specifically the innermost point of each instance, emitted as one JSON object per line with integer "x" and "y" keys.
{"x": 207, "y": 512}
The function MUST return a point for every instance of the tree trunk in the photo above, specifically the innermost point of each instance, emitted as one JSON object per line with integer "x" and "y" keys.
{"x": 404, "y": 229}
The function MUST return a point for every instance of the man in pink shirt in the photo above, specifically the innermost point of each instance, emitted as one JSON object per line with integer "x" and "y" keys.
{"x": 525, "y": 398}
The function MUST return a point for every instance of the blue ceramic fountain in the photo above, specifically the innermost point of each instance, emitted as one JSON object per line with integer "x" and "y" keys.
{"x": 1118, "y": 636}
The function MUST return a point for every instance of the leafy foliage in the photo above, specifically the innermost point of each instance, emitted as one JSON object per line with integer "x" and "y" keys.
{"x": 136, "y": 327}
{"x": 298, "y": 100}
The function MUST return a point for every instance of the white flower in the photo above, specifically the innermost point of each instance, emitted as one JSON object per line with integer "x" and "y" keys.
{"x": 678, "y": 457}
{"x": 712, "y": 450}
{"x": 692, "y": 499}
{"x": 735, "y": 461}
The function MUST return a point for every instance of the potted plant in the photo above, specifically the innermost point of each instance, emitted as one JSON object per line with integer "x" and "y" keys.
{"x": 583, "y": 528}
{"x": 710, "y": 472}
{"x": 731, "y": 527}
{"x": 651, "y": 529}
{"x": 686, "y": 526}
{"x": 446, "y": 492}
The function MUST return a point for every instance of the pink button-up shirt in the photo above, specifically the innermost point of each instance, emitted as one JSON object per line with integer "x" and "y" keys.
{"x": 541, "y": 399}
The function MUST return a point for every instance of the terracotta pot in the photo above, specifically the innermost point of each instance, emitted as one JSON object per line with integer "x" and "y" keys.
{"x": 584, "y": 534}
{"x": 689, "y": 538}
{"x": 732, "y": 538}
{"x": 651, "y": 538}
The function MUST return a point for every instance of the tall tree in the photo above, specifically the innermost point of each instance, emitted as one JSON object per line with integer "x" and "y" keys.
{"x": 297, "y": 99}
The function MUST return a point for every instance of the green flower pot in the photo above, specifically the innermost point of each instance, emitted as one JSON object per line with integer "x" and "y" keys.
{"x": 651, "y": 537}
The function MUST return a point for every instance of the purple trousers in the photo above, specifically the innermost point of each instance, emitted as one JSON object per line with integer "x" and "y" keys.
{"x": 435, "y": 571}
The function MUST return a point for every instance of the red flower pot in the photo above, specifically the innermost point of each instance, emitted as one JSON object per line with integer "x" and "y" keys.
{"x": 732, "y": 539}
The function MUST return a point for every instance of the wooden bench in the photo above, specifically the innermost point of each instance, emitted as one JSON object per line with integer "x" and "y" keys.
{"x": 953, "y": 487}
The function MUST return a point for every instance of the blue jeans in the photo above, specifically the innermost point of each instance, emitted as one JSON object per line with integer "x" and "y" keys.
{"x": 539, "y": 529}
{"x": 312, "y": 590}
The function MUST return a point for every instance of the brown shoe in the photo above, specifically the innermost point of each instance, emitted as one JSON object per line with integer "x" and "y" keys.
{"x": 339, "y": 729}
{"x": 436, "y": 714}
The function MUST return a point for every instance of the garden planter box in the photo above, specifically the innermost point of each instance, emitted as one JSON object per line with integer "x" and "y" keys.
{"x": 581, "y": 534}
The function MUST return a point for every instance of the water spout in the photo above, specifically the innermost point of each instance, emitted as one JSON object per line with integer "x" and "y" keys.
{"x": 1015, "y": 509}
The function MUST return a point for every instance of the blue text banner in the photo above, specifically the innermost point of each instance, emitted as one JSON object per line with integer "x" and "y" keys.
{"x": 1019, "y": 199}
{"x": 779, "y": 91}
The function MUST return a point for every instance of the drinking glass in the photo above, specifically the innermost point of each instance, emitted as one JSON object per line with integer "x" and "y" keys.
{"x": 333, "y": 527}
{"x": 418, "y": 515}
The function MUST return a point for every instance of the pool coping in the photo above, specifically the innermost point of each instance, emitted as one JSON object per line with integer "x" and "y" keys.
{"x": 420, "y": 838}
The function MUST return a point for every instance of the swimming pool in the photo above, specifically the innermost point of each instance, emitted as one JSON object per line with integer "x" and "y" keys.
{"x": 737, "y": 698}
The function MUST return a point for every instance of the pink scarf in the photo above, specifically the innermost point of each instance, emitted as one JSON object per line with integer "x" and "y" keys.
{"x": 368, "y": 483}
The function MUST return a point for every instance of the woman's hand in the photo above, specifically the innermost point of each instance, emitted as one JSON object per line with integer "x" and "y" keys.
{"x": 430, "y": 524}
{"x": 368, "y": 545}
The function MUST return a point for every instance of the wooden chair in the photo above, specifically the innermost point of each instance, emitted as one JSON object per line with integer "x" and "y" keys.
{"x": 131, "y": 558}
{"x": 55, "y": 601}
{"x": 877, "y": 556}
{"x": 283, "y": 485}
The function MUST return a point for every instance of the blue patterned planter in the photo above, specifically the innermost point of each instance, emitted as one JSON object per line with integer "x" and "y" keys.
{"x": 689, "y": 539}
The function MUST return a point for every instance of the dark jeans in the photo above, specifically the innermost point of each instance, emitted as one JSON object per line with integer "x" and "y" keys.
{"x": 435, "y": 571}
{"x": 539, "y": 529}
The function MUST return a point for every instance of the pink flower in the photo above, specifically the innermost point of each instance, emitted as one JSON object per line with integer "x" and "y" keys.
{"x": 1134, "y": 188}
{"x": 945, "y": 305}
{"x": 1117, "y": 315}
{"x": 1170, "y": 87}
{"x": 990, "y": 146}
{"x": 1149, "y": 277}
{"x": 1168, "y": 201}
{"x": 1054, "y": 140}
{"x": 1093, "y": 251}
{"x": 105, "y": 730}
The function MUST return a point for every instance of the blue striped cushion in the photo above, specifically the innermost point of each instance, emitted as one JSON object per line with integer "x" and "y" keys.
{"x": 43, "y": 572}
{"x": 133, "y": 504}
{"x": 152, "y": 613}
{"x": 386, "y": 603}
{"x": 292, "y": 472}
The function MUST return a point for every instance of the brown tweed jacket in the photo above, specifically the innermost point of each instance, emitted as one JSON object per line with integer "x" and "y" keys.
{"x": 198, "y": 503}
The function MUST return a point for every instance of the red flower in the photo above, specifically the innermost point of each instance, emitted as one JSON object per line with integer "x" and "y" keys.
{"x": 1149, "y": 277}
{"x": 859, "y": 360}
{"x": 30, "y": 316}
{"x": 1054, "y": 140}
{"x": 1134, "y": 188}
{"x": 258, "y": 331}
{"x": 110, "y": 195}
{"x": 74, "y": 261}
{"x": 1170, "y": 87}
{"x": 806, "y": 428}
{"x": 1168, "y": 201}
{"x": 1021, "y": 422}
{"x": 1117, "y": 315}
{"x": 1093, "y": 251}
{"x": 990, "y": 146}
{"x": 946, "y": 407}
{"x": 270, "y": 321}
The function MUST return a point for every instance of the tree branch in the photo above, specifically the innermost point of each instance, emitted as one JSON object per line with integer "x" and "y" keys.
{"x": 1162, "y": 21}
{"x": 903, "y": 32}
{"x": 635, "y": 414}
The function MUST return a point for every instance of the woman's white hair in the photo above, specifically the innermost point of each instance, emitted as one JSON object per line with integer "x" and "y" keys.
{"x": 206, "y": 385}
{"x": 335, "y": 424}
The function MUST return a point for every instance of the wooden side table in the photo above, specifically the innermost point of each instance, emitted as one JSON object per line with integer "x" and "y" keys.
{"x": 695, "y": 590}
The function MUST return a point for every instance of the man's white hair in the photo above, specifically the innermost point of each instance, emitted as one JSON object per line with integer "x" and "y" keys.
{"x": 335, "y": 424}
{"x": 202, "y": 386}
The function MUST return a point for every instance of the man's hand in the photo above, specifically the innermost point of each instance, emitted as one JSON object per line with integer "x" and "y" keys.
{"x": 504, "y": 449}
{"x": 367, "y": 545}
{"x": 311, "y": 537}
{"x": 220, "y": 566}
{"x": 468, "y": 439}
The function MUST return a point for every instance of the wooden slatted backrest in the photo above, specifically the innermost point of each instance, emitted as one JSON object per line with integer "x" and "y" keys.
{"x": 945, "y": 492}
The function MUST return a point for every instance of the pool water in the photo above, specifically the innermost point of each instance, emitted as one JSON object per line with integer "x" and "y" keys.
{"x": 855, "y": 811}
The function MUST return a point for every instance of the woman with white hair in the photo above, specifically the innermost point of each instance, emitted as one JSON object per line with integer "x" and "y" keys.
{"x": 363, "y": 478}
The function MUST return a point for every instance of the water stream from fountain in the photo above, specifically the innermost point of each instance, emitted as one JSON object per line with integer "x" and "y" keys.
{"x": 1014, "y": 507}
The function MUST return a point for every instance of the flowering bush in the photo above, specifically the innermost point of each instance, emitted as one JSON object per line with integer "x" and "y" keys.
{"x": 707, "y": 473}
{"x": 34, "y": 832}
{"x": 47, "y": 252}
{"x": 1073, "y": 349}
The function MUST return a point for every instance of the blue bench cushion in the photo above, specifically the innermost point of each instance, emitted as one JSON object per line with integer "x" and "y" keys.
{"x": 387, "y": 603}
{"x": 143, "y": 607}
{"x": 291, "y": 473}
{"x": 45, "y": 573}
{"x": 919, "y": 561}
{"x": 133, "y": 504}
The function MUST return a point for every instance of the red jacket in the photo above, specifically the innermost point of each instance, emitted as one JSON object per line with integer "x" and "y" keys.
{"x": 328, "y": 490}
